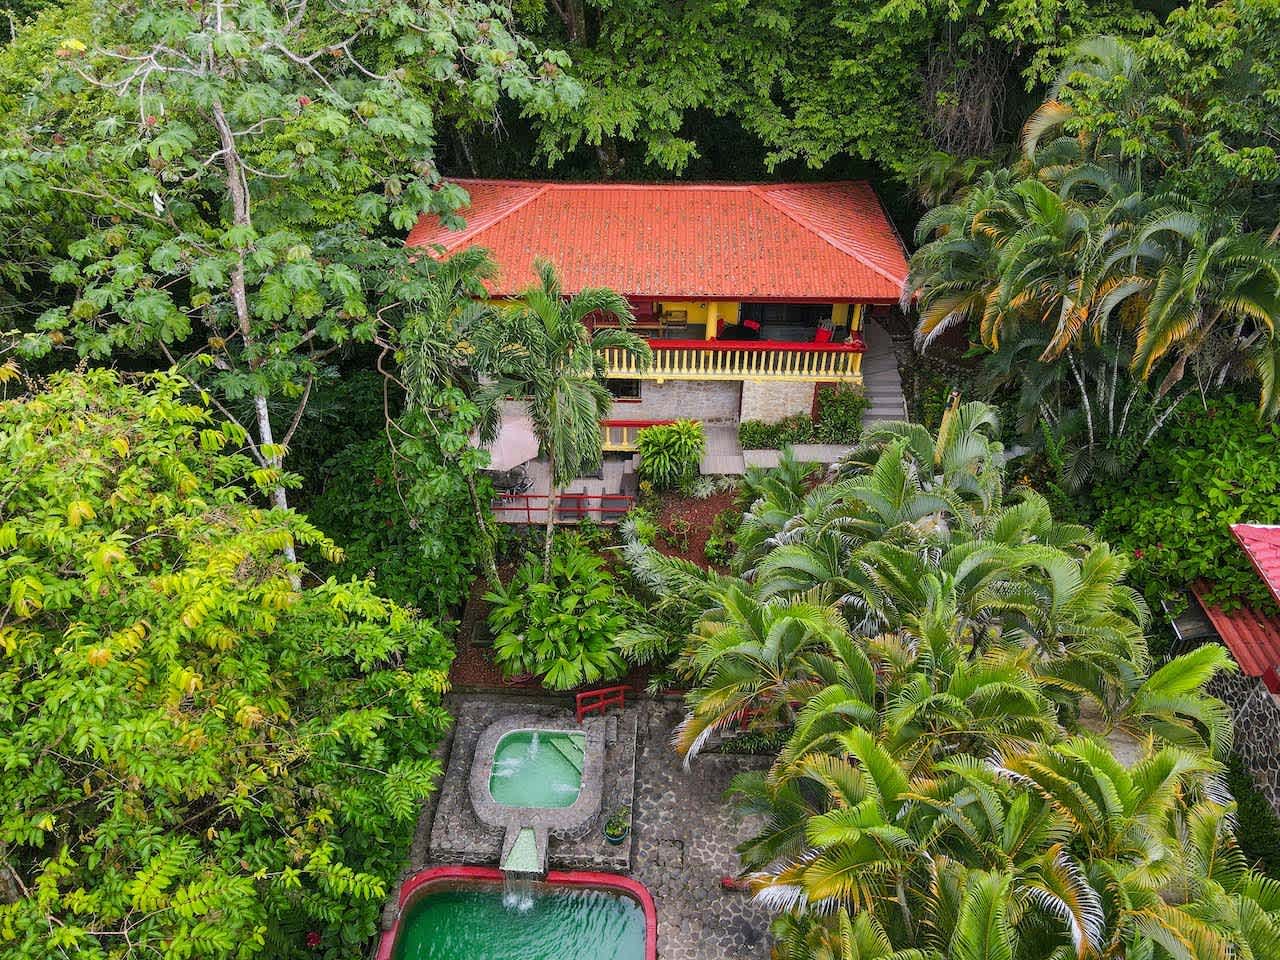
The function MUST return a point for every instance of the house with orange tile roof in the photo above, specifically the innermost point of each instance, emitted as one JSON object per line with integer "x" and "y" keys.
{"x": 750, "y": 294}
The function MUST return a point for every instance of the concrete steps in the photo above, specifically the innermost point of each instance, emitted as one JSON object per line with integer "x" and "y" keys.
{"x": 881, "y": 381}
{"x": 570, "y": 750}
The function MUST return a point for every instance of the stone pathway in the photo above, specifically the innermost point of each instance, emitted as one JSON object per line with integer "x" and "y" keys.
{"x": 684, "y": 839}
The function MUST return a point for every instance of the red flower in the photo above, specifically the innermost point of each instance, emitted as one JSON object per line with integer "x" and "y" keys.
{"x": 1137, "y": 552}
{"x": 313, "y": 939}
{"x": 304, "y": 101}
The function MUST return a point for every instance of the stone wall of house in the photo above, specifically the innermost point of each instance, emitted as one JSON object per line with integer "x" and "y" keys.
{"x": 711, "y": 401}
{"x": 1257, "y": 726}
{"x": 771, "y": 401}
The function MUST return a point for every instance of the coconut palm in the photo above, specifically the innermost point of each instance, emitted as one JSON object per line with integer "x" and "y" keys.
{"x": 542, "y": 351}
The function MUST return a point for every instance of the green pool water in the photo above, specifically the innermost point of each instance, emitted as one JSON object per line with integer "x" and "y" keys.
{"x": 538, "y": 768}
{"x": 535, "y": 923}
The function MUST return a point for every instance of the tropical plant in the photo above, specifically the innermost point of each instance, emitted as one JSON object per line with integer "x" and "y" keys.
{"x": 443, "y": 402}
{"x": 561, "y": 628}
{"x": 670, "y": 453}
{"x": 213, "y": 761}
{"x": 1071, "y": 250}
{"x": 540, "y": 350}
{"x": 241, "y": 177}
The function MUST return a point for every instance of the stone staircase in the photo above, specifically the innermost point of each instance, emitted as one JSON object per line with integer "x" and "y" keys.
{"x": 880, "y": 377}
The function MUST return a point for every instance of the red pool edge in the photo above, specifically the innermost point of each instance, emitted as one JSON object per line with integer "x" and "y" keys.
{"x": 567, "y": 878}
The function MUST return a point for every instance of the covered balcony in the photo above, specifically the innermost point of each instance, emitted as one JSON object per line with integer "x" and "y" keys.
{"x": 747, "y": 341}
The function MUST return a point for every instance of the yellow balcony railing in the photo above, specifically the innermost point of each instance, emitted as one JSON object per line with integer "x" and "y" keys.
{"x": 743, "y": 360}
{"x": 621, "y": 435}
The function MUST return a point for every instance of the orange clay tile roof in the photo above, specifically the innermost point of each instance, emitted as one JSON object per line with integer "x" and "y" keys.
{"x": 785, "y": 241}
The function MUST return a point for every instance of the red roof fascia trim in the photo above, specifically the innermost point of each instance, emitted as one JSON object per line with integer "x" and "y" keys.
{"x": 763, "y": 194}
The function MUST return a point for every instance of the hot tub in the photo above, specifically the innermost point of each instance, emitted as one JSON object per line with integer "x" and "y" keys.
{"x": 538, "y": 768}
{"x": 467, "y": 913}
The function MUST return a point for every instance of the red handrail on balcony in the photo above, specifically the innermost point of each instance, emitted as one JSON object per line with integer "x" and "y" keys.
{"x": 638, "y": 424}
{"x": 784, "y": 346}
{"x": 569, "y": 506}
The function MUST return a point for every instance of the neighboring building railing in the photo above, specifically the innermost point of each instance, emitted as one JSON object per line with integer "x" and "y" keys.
{"x": 743, "y": 360}
{"x": 570, "y": 507}
{"x": 621, "y": 435}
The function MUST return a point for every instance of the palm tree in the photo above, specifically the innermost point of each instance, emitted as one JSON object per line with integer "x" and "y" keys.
{"x": 1209, "y": 281}
{"x": 542, "y": 351}
{"x": 751, "y": 660}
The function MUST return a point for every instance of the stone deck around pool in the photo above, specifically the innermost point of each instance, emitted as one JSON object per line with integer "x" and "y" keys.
{"x": 683, "y": 833}
{"x": 458, "y": 835}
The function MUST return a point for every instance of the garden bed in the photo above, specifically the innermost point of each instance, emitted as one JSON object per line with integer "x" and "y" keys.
{"x": 699, "y": 514}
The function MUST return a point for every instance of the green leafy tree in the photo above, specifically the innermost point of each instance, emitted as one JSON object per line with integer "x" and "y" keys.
{"x": 443, "y": 400}
{"x": 206, "y": 760}
{"x": 248, "y": 163}
{"x": 1173, "y": 513}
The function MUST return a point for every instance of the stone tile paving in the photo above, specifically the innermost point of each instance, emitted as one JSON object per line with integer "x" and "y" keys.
{"x": 457, "y": 835}
{"x": 684, "y": 837}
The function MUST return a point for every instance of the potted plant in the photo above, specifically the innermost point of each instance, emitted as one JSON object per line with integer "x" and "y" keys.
{"x": 618, "y": 827}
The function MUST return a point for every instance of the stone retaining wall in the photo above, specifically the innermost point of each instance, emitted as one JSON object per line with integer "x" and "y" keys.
{"x": 711, "y": 401}
{"x": 772, "y": 401}
{"x": 1257, "y": 729}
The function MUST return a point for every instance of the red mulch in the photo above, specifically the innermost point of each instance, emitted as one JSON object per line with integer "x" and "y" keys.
{"x": 699, "y": 513}
{"x": 473, "y": 667}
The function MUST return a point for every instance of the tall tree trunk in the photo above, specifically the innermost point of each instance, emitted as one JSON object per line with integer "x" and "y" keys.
{"x": 238, "y": 188}
{"x": 550, "y": 529}
{"x": 490, "y": 560}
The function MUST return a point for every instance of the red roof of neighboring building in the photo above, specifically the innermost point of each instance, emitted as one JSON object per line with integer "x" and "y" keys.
{"x": 1262, "y": 543}
{"x": 1252, "y": 637}
{"x": 785, "y": 241}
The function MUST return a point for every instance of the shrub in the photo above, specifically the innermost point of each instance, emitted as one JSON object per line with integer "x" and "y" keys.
{"x": 720, "y": 545}
{"x": 1211, "y": 469}
{"x": 670, "y": 453}
{"x": 839, "y": 420}
{"x": 562, "y": 629}
{"x": 426, "y": 561}
{"x": 639, "y": 526}
{"x": 1259, "y": 827}
{"x": 758, "y": 435}
{"x": 676, "y": 533}
{"x": 840, "y": 410}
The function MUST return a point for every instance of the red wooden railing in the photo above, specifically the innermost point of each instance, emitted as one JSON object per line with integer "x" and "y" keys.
{"x": 742, "y": 359}
{"x": 785, "y": 346}
{"x": 532, "y": 507}
{"x": 599, "y": 700}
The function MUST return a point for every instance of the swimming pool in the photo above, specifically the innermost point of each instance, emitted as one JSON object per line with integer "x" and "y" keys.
{"x": 466, "y": 913}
